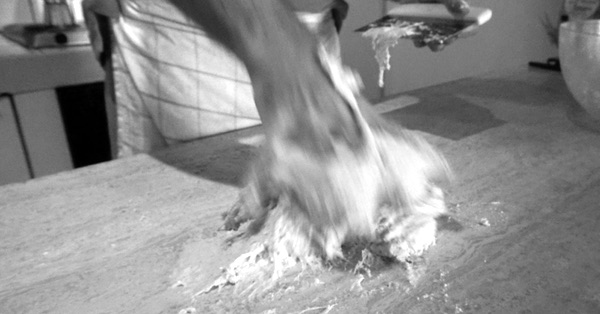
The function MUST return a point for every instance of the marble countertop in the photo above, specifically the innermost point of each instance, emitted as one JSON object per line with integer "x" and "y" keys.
{"x": 139, "y": 235}
{"x": 24, "y": 70}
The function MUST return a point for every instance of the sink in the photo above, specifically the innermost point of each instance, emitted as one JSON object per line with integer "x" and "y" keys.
{"x": 35, "y": 36}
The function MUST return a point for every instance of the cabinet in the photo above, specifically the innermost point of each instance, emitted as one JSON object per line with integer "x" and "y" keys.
{"x": 13, "y": 162}
{"x": 43, "y": 132}
{"x": 50, "y": 131}
{"x": 33, "y": 138}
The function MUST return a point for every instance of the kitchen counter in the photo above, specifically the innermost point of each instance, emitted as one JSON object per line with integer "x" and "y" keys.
{"x": 25, "y": 70}
{"x": 139, "y": 235}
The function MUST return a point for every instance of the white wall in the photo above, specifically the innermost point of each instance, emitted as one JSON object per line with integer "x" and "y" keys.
{"x": 513, "y": 37}
{"x": 29, "y": 11}
{"x": 13, "y": 11}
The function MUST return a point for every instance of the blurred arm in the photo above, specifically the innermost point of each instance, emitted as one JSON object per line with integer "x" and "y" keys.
{"x": 294, "y": 96}
{"x": 97, "y": 14}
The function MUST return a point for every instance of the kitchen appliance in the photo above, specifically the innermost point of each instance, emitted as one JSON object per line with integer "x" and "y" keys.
{"x": 36, "y": 36}
{"x": 58, "y": 30}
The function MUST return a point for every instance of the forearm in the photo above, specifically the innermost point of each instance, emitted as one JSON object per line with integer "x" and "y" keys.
{"x": 294, "y": 96}
{"x": 259, "y": 32}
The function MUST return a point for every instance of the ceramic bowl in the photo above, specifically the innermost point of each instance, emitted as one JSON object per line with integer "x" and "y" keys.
{"x": 579, "y": 51}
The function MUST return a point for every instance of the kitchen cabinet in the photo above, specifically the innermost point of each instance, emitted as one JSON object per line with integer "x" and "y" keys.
{"x": 43, "y": 132}
{"x": 13, "y": 162}
{"x": 33, "y": 138}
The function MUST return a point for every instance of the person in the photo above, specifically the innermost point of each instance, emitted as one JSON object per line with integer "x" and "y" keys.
{"x": 330, "y": 169}
{"x": 168, "y": 81}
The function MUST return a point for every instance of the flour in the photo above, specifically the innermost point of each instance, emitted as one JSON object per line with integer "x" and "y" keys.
{"x": 383, "y": 191}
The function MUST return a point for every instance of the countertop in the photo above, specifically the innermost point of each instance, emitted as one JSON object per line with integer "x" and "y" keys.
{"x": 139, "y": 235}
{"x": 25, "y": 70}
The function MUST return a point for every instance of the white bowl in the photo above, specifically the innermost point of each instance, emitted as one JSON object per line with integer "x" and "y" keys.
{"x": 579, "y": 50}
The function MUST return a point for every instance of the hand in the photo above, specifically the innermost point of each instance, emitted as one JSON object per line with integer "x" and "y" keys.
{"x": 456, "y": 7}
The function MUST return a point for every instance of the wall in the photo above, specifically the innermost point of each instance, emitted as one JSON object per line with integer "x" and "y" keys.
{"x": 513, "y": 37}
{"x": 14, "y": 11}
{"x": 28, "y": 11}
